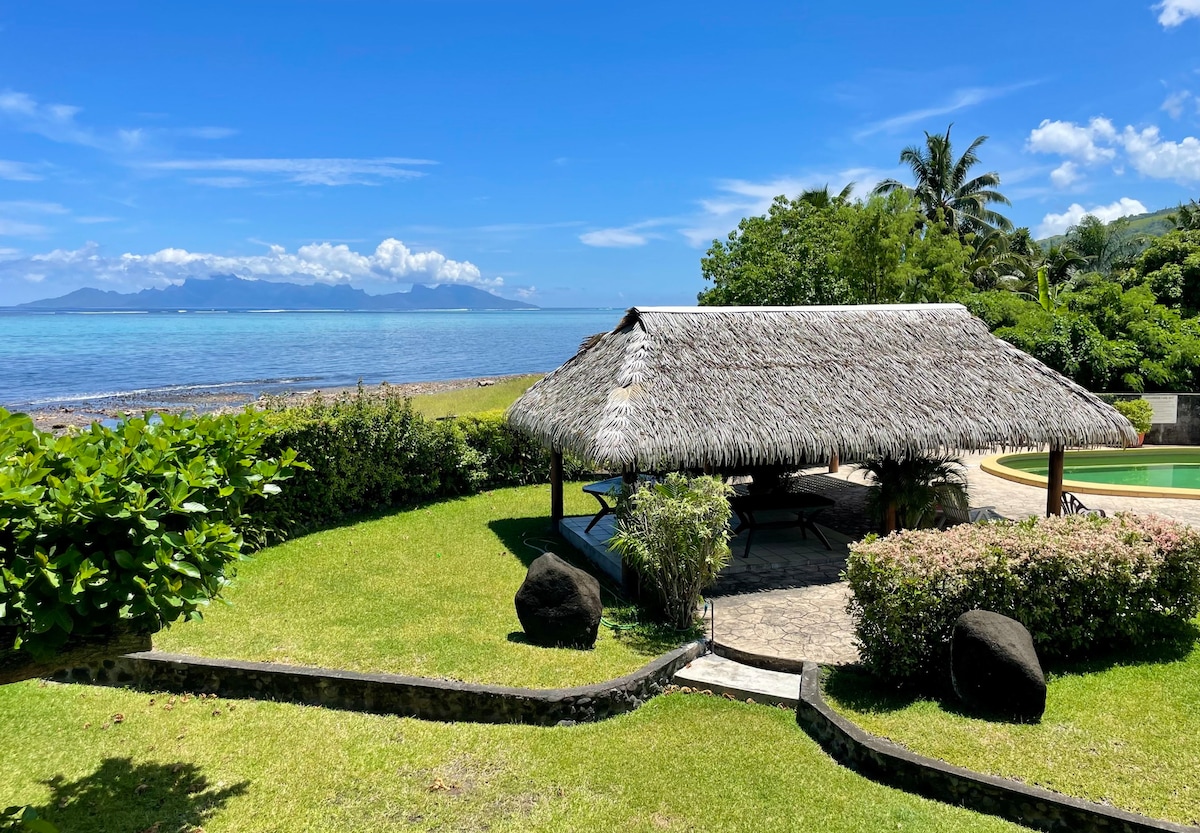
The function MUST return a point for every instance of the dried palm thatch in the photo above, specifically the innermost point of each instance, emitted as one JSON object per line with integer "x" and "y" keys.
{"x": 682, "y": 387}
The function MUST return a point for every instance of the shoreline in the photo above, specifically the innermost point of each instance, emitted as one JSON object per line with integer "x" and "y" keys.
{"x": 83, "y": 412}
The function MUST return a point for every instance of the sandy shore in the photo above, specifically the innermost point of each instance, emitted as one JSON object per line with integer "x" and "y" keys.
{"x": 83, "y": 413}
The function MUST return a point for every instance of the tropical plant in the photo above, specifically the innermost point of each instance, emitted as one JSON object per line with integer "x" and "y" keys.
{"x": 128, "y": 528}
{"x": 1171, "y": 267}
{"x": 1138, "y": 411}
{"x": 948, "y": 195}
{"x": 1105, "y": 246}
{"x": 823, "y": 198}
{"x": 1186, "y": 217}
{"x": 675, "y": 534}
{"x": 913, "y": 486}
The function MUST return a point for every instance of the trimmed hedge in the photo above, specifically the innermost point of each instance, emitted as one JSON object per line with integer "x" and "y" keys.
{"x": 368, "y": 452}
{"x": 126, "y": 528}
{"x": 1080, "y": 584}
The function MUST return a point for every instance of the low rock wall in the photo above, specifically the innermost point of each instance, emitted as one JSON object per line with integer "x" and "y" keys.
{"x": 895, "y": 766}
{"x": 428, "y": 699}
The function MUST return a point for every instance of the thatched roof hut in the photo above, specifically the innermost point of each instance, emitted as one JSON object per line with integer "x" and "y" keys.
{"x": 684, "y": 387}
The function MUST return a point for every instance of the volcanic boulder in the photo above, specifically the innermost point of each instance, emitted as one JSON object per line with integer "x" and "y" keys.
{"x": 994, "y": 667}
{"x": 559, "y": 604}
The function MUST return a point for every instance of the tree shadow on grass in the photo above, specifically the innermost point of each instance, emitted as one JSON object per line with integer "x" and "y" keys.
{"x": 121, "y": 795}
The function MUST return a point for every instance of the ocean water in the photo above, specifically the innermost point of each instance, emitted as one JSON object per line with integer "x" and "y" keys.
{"x": 69, "y": 358}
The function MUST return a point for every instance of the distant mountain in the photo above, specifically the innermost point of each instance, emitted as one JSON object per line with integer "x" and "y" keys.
{"x": 1154, "y": 224}
{"x": 229, "y": 292}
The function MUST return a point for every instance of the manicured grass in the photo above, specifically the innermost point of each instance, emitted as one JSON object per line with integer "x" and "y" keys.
{"x": 1122, "y": 733}
{"x": 681, "y": 763}
{"x": 427, "y": 591}
{"x": 475, "y": 400}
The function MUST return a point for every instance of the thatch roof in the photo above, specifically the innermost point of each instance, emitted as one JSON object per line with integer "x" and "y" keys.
{"x": 690, "y": 386}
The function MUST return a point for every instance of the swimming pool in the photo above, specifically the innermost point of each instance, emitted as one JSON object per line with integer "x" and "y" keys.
{"x": 1166, "y": 472}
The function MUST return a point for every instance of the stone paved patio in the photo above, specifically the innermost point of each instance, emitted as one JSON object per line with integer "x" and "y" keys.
{"x": 786, "y": 603}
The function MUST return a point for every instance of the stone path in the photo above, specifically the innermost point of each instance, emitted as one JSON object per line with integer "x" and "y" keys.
{"x": 798, "y": 613}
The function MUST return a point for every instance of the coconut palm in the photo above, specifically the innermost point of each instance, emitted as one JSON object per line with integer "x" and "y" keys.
{"x": 944, "y": 191}
{"x": 1106, "y": 246}
{"x": 912, "y": 487}
{"x": 822, "y": 198}
{"x": 1186, "y": 217}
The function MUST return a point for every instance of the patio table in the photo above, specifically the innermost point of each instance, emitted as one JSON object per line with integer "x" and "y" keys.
{"x": 610, "y": 488}
{"x": 803, "y": 506}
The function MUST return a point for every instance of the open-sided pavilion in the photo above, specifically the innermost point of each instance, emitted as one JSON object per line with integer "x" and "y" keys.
{"x": 719, "y": 387}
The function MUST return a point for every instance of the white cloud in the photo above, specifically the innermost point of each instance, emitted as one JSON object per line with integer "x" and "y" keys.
{"x": 1173, "y": 104}
{"x": 614, "y": 238}
{"x": 1059, "y": 223}
{"x": 959, "y": 100}
{"x": 1065, "y": 174}
{"x": 1173, "y": 12}
{"x": 390, "y": 263}
{"x": 1076, "y": 141}
{"x": 302, "y": 171}
{"x": 17, "y": 171}
{"x": 53, "y": 121}
{"x": 1155, "y": 157}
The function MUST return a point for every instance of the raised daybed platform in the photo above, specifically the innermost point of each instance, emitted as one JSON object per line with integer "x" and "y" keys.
{"x": 422, "y": 697}
{"x": 890, "y": 764}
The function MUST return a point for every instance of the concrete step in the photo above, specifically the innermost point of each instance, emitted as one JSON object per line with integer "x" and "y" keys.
{"x": 724, "y": 676}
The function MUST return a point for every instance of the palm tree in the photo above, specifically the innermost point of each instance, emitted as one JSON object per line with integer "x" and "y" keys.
{"x": 943, "y": 189}
{"x": 1000, "y": 258}
{"x": 911, "y": 488}
{"x": 821, "y": 198}
{"x": 1186, "y": 217}
{"x": 1106, "y": 246}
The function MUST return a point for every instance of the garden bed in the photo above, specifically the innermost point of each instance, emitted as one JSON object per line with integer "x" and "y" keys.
{"x": 424, "y": 592}
{"x": 1116, "y": 730}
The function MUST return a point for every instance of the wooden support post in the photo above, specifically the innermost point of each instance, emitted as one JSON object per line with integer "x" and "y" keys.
{"x": 834, "y": 463}
{"x": 1054, "y": 481}
{"x": 556, "y": 488}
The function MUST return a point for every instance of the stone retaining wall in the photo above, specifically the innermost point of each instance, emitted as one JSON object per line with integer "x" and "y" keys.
{"x": 895, "y": 766}
{"x": 428, "y": 699}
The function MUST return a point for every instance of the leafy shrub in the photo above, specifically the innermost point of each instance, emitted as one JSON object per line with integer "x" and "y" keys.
{"x": 130, "y": 528}
{"x": 370, "y": 450}
{"x": 914, "y": 486}
{"x": 1137, "y": 411}
{"x": 1079, "y": 584}
{"x": 675, "y": 533}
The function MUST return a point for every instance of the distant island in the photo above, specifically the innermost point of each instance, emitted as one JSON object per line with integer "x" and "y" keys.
{"x": 229, "y": 292}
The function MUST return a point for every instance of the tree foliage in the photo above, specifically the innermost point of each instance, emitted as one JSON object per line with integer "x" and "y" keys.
{"x": 944, "y": 188}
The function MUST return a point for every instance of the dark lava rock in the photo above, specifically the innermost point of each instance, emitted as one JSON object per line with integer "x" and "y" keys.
{"x": 994, "y": 667}
{"x": 559, "y": 604}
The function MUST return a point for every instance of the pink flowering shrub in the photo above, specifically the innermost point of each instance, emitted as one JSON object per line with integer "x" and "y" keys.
{"x": 1079, "y": 584}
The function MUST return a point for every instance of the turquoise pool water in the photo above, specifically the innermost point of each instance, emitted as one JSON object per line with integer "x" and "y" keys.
{"x": 1144, "y": 467}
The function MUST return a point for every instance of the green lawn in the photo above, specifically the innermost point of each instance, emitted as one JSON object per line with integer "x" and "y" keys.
{"x": 473, "y": 400}
{"x": 681, "y": 763}
{"x": 427, "y": 591}
{"x": 1122, "y": 733}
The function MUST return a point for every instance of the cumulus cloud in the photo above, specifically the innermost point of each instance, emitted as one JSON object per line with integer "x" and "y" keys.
{"x": 1171, "y": 13}
{"x": 1059, "y": 223}
{"x": 1084, "y": 143}
{"x": 1155, "y": 157}
{"x": 390, "y": 263}
{"x": 302, "y": 171}
{"x": 1065, "y": 174}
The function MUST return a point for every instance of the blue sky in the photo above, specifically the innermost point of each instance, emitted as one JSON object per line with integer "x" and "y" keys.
{"x": 570, "y": 154}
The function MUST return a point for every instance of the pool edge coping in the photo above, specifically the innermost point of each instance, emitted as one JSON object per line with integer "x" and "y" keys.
{"x": 992, "y": 466}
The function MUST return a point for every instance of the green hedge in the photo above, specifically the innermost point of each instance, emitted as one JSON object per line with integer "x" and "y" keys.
{"x": 1081, "y": 585}
{"x": 370, "y": 452}
{"x": 129, "y": 528}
